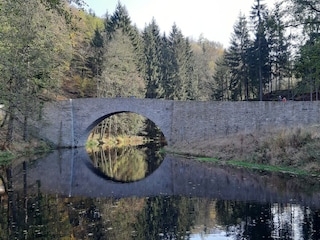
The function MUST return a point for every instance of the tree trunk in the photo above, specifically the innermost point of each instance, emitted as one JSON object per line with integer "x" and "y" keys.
{"x": 9, "y": 136}
{"x": 25, "y": 127}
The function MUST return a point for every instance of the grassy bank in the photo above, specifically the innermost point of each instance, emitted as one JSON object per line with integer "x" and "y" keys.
{"x": 295, "y": 150}
{"x": 256, "y": 166}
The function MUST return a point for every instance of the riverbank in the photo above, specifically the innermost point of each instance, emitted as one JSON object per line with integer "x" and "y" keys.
{"x": 295, "y": 149}
{"x": 21, "y": 150}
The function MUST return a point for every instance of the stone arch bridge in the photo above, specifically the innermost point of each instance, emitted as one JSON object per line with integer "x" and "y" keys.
{"x": 68, "y": 123}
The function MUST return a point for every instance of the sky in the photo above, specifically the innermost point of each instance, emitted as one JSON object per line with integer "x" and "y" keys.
{"x": 213, "y": 19}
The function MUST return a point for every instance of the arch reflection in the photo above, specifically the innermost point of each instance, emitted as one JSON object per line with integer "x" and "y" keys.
{"x": 126, "y": 163}
{"x": 125, "y": 147}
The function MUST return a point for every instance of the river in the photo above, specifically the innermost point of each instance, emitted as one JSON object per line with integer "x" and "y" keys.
{"x": 68, "y": 195}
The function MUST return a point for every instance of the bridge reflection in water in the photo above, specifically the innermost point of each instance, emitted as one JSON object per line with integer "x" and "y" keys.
{"x": 69, "y": 173}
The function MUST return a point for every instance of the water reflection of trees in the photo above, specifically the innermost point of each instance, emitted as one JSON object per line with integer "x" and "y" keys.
{"x": 245, "y": 220}
{"x": 45, "y": 216}
{"x": 123, "y": 164}
{"x": 37, "y": 215}
{"x": 165, "y": 218}
{"x": 127, "y": 163}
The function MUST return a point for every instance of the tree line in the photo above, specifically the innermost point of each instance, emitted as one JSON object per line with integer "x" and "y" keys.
{"x": 270, "y": 51}
{"x": 52, "y": 50}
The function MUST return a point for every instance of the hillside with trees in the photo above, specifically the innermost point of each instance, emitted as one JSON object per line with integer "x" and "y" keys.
{"x": 51, "y": 50}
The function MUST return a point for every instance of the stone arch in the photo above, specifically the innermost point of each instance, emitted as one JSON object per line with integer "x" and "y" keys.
{"x": 98, "y": 120}
{"x": 87, "y": 113}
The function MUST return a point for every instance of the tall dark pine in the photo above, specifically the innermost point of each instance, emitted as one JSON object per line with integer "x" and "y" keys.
{"x": 165, "y": 70}
{"x": 152, "y": 58}
{"x": 260, "y": 51}
{"x": 192, "y": 81}
{"x": 278, "y": 44}
{"x": 220, "y": 89}
{"x": 308, "y": 63}
{"x": 96, "y": 44}
{"x": 179, "y": 77}
{"x": 307, "y": 14}
{"x": 119, "y": 20}
{"x": 176, "y": 78}
{"x": 237, "y": 60}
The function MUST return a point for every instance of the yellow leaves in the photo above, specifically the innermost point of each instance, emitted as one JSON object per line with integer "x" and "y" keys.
{"x": 82, "y": 85}
{"x": 84, "y": 25}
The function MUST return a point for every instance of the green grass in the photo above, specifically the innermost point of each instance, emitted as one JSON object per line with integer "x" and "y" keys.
{"x": 256, "y": 166}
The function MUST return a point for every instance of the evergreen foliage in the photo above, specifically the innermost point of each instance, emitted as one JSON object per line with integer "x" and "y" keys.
{"x": 220, "y": 88}
{"x": 279, "y": 48}
{"x": 260, "y": 69}
{"x": 237, "y": 58}
{"x": 152, "y": 58}
{"x": 67, "y": 53}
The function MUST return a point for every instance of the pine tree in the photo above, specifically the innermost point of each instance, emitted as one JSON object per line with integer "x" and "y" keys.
{"x": 304, "y": 18}
{"x": 97, "y": 44}
{"x": 152, "y": 54}
{"x": 119, "y": 20}
{"x": 176, "y": 78}
{"x": 192, "y": 80}
{"x": 165, "y": 69}
{"x": 308, "y": 64}
{"x": 179, "y": 77}
{"x": 120, "y": 75}
{"x": 279, "y": 45}
{"x": 220, "y": 89}
{"x": 260, "y": 51}
{"x": 238, "y": 60}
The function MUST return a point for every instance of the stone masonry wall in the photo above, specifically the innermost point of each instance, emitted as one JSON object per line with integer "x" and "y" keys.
{"x": 193, "y": 121}
{"x": 68, "y": 123}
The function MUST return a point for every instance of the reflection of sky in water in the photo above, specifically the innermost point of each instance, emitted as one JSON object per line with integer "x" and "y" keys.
{"x": 290, "y": 215}
{"x": 284, "y": 216}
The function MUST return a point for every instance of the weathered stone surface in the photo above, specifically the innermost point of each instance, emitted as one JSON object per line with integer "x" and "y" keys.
{"x": 68, "y": 123}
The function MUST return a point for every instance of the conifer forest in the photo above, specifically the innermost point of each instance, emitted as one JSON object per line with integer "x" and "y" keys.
{"x": 54, "y": 50}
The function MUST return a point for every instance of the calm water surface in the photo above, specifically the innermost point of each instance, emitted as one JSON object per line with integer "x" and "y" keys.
{"x": 115, "y": 194}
